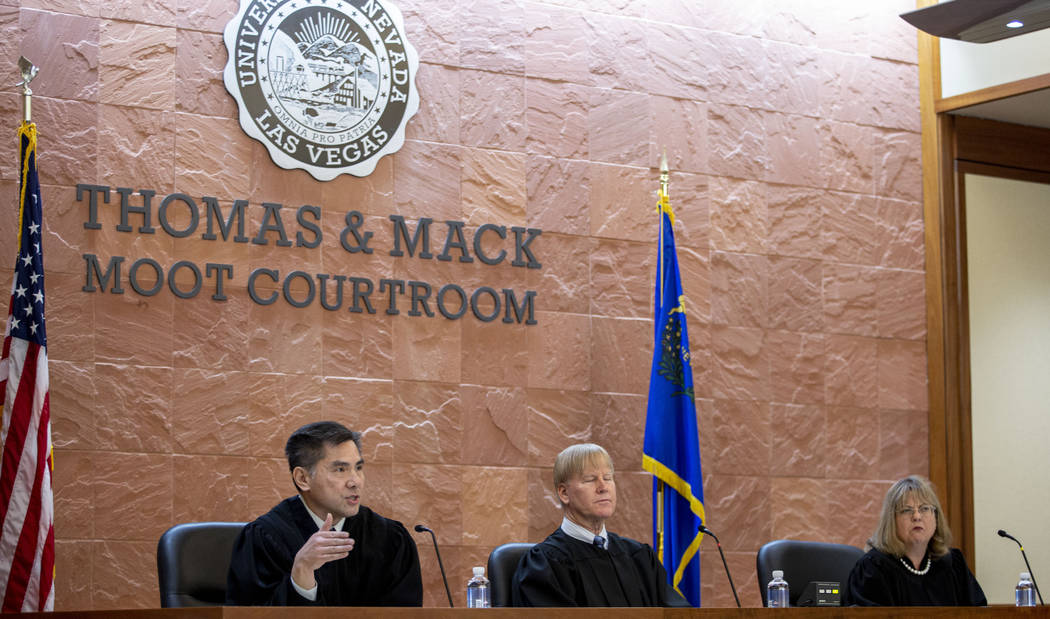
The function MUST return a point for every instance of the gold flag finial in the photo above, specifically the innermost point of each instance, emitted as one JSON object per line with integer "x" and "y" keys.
{"x": 29, "y": 71}
{"x": 665, "y": 173}
{"x": 663, "y": 204}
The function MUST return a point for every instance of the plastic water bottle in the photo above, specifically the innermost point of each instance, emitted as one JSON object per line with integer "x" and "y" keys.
{"x": 478, "y": 590}
{"x": 777, "y": 590}
{"x": 1024, "y": 593}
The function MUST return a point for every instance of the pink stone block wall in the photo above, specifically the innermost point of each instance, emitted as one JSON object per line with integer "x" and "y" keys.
{"x": 792, "y": 129}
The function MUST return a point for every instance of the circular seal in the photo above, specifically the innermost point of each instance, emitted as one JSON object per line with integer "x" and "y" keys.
{"x": 327, "y": 85}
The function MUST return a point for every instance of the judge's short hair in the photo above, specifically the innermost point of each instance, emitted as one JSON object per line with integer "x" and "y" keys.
{"x": 919, "y": 490}
{"x": 305, "y": 447}
{"x": 575, "y": 458}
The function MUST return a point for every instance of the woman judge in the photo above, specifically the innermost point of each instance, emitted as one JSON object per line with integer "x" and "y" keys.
{"x": 910, "y": 562}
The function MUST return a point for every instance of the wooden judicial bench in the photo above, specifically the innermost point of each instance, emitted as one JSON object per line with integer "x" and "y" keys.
{"x": 231, "y": 612}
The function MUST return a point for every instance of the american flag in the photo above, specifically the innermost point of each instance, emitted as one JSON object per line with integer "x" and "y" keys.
{"x": 27, "y": 538}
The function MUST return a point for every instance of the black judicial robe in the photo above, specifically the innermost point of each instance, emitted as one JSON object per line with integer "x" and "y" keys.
{"x": 564, "y": 571}
{"x": 381, "y": 570}
{"x": 880, "y": 579}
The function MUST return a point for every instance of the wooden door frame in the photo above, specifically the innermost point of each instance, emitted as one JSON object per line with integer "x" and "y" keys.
{"x": 948, "y": 142}
{"x": 951, "y": 147}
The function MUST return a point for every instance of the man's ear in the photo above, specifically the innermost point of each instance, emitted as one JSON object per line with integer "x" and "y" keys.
{"x": 563, "y": 494}
{"x": 301, "y": 479}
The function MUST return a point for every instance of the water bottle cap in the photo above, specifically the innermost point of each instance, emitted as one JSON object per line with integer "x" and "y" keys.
{"x": 1026, "y": 576}
{"x": 479, "y": 571}
{"x": 778, "y": 574}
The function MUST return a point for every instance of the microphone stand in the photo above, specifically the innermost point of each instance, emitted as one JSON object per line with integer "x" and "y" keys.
{"x": 419, "y": 529}
{"x": 707, "y": 531}
{"x": 1003, "y": 533}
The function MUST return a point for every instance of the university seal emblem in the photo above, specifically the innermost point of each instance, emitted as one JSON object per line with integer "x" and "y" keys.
{"x": 327, "y": 85}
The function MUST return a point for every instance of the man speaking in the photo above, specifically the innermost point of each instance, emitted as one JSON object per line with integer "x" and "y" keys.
{"x": 323, "y": 547}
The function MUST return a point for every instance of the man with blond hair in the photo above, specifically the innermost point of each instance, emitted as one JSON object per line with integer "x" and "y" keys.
{"x": 583, "y": 564}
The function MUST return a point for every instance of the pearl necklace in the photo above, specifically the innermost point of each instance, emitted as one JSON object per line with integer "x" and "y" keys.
{"x": 911, "y": 569}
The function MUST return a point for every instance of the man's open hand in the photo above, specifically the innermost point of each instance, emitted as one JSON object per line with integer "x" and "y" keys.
{"x": 324, "y": 546}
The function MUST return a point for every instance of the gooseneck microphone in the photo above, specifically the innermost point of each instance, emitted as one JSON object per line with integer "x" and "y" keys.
{"x": 420, "y": 529}
{"x": 707, "y": 531}
{"x": 1025, "y": 557}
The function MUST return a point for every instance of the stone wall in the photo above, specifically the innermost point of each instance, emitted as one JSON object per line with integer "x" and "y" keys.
{"x": 792, "y": 129}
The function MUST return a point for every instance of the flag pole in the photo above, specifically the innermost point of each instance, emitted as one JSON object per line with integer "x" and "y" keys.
{"x": 27, "y": 544}
{"x": 29, "y": 71}
{"x": 671, "y": 451}
{"x": 665, "y": 174}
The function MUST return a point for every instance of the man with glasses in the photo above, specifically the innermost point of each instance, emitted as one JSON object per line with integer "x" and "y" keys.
{"x": 323, "y": 547}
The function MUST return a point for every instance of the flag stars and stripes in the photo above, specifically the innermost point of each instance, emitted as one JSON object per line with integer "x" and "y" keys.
{"x": 28, "y": 294}
{"x": 27, "y": 546}
{"x": 24, "y": 328}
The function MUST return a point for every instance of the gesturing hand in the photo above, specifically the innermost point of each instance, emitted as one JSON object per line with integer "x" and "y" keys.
{"x": 324, "y": 546}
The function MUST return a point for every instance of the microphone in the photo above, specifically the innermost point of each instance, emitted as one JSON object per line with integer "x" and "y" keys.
{"x": 420, "y": 529}
{"x": 1025, "y": 557}
{"x": 707, "y": 531}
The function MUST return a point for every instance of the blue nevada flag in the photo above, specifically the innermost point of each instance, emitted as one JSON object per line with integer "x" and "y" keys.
{"x": 672, "y": 444}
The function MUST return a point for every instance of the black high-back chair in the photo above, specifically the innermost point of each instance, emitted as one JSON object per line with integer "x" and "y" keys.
{"x": 503, "y": 562}
{"x": 192, "y": 561}
{"x": 803, "y": 563}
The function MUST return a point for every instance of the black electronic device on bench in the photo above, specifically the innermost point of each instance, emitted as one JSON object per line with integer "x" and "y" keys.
{"x": 821, "y": 593}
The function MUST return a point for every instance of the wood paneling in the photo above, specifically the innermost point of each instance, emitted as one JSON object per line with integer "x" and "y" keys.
{"x": 232, "y": 612}
{"x": 952, "y": 147}
{"x": 993, "y": 93}
{"x": 1002, "y": 144}
{"x": 932, "y": 190}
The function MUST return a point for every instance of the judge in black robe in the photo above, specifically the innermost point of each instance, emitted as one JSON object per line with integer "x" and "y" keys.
{"x": 910, "y": 562}
{"x": 879, "y": 579}
{"x": 323, "y": 547}
{"x": 583, "y": 564}
{"x": 381, "y": 570}
{"x": 565, "y": 571}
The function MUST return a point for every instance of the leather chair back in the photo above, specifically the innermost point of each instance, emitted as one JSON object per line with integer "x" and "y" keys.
{"x": 192, "y": 561}
{"x": 503, "y": 562}
{"x": 803, "y": 563}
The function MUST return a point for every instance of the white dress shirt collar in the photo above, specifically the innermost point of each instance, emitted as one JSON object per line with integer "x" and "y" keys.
{"x": 337, "y": 525}
{"x": 581, "y": 533}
